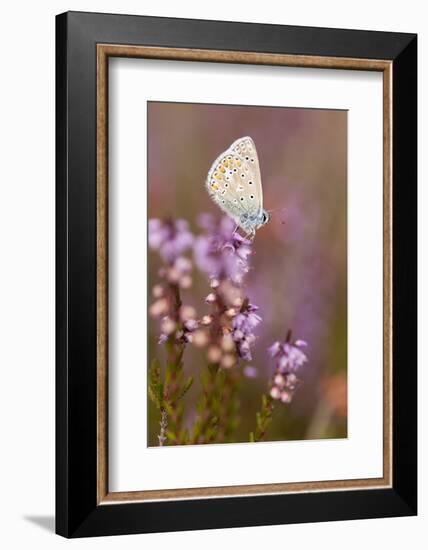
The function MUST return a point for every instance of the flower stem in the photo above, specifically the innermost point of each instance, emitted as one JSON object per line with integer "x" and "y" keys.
{"x": 229, "y": 403}
{"x": 163, "y": 427}
{"x": 263, "y": 419}
{"x": 205, "y": 427}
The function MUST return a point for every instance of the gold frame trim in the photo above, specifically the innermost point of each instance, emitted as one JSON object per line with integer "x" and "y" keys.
{"x": 104, "y": 51}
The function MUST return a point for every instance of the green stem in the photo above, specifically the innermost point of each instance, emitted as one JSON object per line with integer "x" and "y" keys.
{"x": 205, "y": 427}
{"x": 229, "y": 402}
{"x": 263, "y": 419}
{"x": 163, "y": 427}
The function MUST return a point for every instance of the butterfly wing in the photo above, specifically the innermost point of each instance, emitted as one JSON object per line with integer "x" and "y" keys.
{"x": 234, "y": 181}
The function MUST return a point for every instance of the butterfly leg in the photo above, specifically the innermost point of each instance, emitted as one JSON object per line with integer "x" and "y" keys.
{"x": 250, "y": 235}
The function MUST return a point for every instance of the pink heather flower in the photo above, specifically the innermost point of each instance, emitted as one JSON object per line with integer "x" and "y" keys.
{"x": 221, "y": 252}
{"x": 170, "y": 238}
{"x": 275, "y": 392}
{"x": 211, "y": 298}
{"x": 288, "y": 356}
{"x": 191, "y": 325}
{"x": 288, "y": 359}
{"x": 274, "y": 349}
{"x": 243, "y": 326}
{"x": 247, "y": 320}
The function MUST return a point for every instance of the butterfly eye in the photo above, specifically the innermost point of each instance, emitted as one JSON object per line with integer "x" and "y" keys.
{"x": 251, "y": 196}
{"x": 242, "y": 198}
{"x": 252, "y": 160}
{"x": 226, "y": 184}
{"x": 250, "y": 183}
{"x": 242, "y": 175}
{"x": 246, "y": 158}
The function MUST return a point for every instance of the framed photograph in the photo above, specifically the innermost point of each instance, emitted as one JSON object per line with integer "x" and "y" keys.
{"x": 236, "y": 274}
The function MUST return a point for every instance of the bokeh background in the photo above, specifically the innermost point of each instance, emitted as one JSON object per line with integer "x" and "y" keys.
{"x": 299, "y": 266}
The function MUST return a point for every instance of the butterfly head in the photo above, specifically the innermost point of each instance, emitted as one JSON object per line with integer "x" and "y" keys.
{"x": 250, "y": 223}
{"x": 265, "y": 217}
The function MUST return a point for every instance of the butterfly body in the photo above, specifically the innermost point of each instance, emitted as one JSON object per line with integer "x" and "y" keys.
{"x": 251, "y": 222}
{"x": 234, "y": 183}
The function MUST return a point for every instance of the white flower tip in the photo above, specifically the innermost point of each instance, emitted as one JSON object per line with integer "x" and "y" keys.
{"x": 275, "y": 393}
{"x": 211, "y": 298}
{"x": 300, "y": 343}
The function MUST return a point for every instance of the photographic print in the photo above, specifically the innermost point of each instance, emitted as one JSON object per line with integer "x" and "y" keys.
{"x": 247, "y": 268}
{"x": 230, "y": 276}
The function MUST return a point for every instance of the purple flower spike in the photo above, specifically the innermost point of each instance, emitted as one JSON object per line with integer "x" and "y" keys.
{"x": 294, "y": 356}
{"x": 288, "y": 359}
{"x": 243, "y": 326}
{"x": 222, "y": 252}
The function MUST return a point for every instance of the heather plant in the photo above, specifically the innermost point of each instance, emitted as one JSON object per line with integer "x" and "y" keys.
{"x": 224, "y": 330}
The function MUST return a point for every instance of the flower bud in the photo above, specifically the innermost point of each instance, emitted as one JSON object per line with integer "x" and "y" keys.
{"x": 206, "y": 320}
{"x": 185, "y": 282}
{"x": 157, "y": 291}
{"x": 160, "y": 307}
{"x": 286, "y": 397}
{"x": 187, "y": 313}
{"x": 275, "y": 393}
{"x": 231, "y": 312}
{"x": 168, "y": 326}
{"x": 227, "y": 343}
{"x": 228, "y": 361}
{"x": 214, "y": 354}
{"x": 215, "y": 283}
{"x": 191, "y": 324}
{"x": 291, "y": 379}
{"x": 211, "y": 298}
{"x": 279, "y": 380}
{"x": 200, "y": 338}
{"x": 184, "y": 265}
{"x": 173, "y": 275}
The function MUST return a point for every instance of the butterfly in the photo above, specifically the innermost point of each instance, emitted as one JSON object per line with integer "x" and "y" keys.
{"x": 234, "y": 183}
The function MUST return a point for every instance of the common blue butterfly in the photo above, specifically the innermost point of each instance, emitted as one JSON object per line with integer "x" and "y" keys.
{"x": 234, "y": 183}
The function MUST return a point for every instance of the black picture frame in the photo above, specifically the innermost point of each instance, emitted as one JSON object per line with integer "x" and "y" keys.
{"x": 77, "y": 511}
